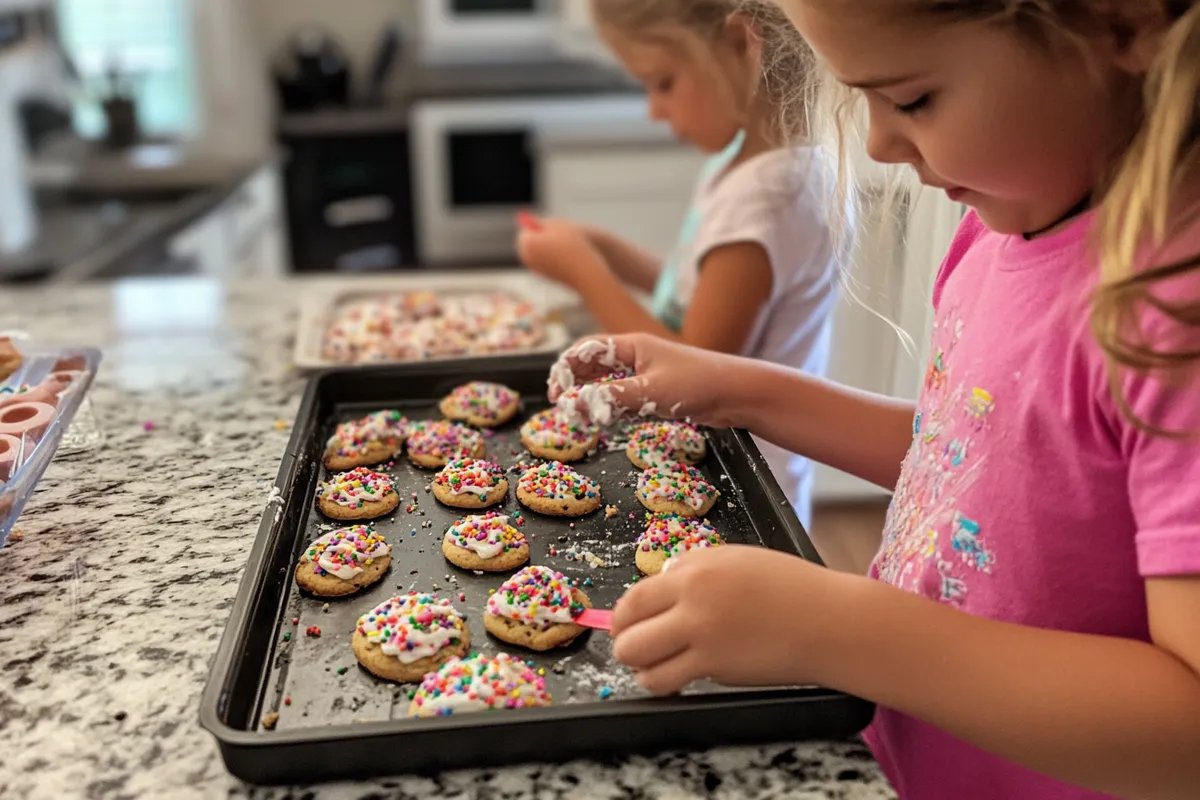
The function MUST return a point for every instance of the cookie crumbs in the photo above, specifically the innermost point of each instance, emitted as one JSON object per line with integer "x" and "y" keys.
{"x": 558, "y": 669}
{"x": 325, "y": 608}
{"x": 269, "y": 721}
{"x": 282, "y": 424}
{"x": 611, "y": 512}
{"x": 120, "y": 716}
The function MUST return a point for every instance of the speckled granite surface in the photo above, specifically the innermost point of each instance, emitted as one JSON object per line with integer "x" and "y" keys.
{"x": 127, "y": 560}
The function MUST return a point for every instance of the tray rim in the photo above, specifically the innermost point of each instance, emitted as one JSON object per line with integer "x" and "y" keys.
{"x": 320, "y": 295}
{"x": 222, "y": 670}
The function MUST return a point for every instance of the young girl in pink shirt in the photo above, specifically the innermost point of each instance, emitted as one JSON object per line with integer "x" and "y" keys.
{"x": 1030, "y": 626}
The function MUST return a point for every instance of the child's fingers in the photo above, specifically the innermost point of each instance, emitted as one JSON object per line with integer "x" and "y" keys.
{"x": 591, "y": 359}
{"x": 648, "y": 599}
{"x": 652, "y": 641}
{"x": 671, "y": 676}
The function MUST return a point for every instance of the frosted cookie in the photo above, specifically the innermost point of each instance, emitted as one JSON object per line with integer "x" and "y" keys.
{"x": 482, "y": 404}
{"x": 343, "y": 562}
{"x": 487, "y": 543}
{"x": 470, "y": 483}
{"x": 358, "y": 494}
{"x": 365, "y": 442}
{"x": 558, "y": 491}
{"x": 435, "y": 444}
{"x": 479, "y": 683}
{"x": 656, "y": 444}
{"x": 548, "y": 434}
{"x": 676, "y": 489}
{"x": 536, "y": 609}
{"x": 670, "y": 535}
{"x": 409, "y": 636}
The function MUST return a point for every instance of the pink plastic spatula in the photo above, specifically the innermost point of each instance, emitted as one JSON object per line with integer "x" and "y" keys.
{"x": 595, "y": 618}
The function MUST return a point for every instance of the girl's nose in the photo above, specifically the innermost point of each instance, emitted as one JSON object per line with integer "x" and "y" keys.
{"x": 887, "y": 145}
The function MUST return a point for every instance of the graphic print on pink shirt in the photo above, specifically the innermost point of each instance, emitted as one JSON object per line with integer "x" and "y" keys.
{"x": 930, "y": 545}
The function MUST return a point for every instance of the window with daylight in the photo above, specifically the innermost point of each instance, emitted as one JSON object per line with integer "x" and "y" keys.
{"x": 149, "y": 44}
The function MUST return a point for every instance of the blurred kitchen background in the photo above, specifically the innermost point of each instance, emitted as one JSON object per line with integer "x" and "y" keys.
{"x": 245, "y": 139}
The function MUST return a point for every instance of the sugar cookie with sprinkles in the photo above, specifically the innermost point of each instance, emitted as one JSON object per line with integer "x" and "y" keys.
{"x": 343, "y": 562}
{"x": 408, "y": 636}
{"x": 433, "y": 445}
{"x": 670, "y": 535}
{"x": 556, "y": 490}
{"x": 470, "y": 483}
{"x": 676, "y": 489}
{"x": 479, "y": 683}
{"x": 656, "y": 444}
{"x": 482, "y": 404}
{"x": 358, "y": 494}
{"x": 536, "y": 609}
{"x": 488, "y": 543}
{"x": 366, "y": 442}
{"x": 548, "y": 434}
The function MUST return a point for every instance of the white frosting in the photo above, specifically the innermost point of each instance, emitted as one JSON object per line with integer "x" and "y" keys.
{"x": 391, "y": 626}
{"x": 493, "y": 542}
{"x": 342, "y": 558}
{"x": 551, "y": 428}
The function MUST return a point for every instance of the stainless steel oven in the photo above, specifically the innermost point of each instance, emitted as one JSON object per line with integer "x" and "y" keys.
{"x": 475, "y": 164}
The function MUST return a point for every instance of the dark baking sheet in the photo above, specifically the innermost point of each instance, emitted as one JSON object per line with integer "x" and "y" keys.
{"x": 335, "y": 720}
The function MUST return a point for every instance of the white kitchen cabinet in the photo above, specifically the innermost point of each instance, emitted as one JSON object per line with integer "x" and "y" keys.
{"x": 244, "y": 237}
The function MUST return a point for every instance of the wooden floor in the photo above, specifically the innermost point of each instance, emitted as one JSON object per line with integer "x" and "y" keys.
{"x": 847, "y": 534}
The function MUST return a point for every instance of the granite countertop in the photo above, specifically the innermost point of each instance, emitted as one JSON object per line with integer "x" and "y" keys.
{"x": 123, "y": 569}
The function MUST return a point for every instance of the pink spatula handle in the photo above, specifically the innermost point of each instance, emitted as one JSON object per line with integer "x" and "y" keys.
{"x": 595, "y": 618}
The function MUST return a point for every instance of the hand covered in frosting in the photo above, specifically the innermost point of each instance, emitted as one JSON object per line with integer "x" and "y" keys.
{"x": 738, "y": 615}
{"x": 557, "y": 249}
{"x": 628, "y": 375}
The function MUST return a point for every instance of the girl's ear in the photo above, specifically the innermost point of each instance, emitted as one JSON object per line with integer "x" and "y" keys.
{"x": 743, "y": 39}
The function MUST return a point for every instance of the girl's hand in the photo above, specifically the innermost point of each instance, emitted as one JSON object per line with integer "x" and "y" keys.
{"x": 736, "y": 614}
{"x": 556, "y": 248}
{"x": 679, "y": 381}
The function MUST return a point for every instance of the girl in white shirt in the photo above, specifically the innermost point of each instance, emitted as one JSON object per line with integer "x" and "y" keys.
{"x": 756, "y": 266}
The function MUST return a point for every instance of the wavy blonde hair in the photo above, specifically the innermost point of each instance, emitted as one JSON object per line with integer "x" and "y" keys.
{"x": 1139, "y": 203}
{"x": 786, "y": 58}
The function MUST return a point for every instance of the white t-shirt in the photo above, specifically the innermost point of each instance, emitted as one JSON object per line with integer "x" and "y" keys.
{"x": 780, "y": 200}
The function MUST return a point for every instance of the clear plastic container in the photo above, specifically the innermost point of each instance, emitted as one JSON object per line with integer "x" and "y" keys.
{"x": 37, "y": 403}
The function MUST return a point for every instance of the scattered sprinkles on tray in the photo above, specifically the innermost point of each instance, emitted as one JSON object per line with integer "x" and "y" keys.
{"x": 414, "y": 626}
{"x": 479, "y": 683}
{"x": 356, "y": 488}
{"x": 343, "y": 553}
{"x": 536, "y": 596}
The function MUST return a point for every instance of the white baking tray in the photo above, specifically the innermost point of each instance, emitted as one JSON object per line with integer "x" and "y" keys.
{"x": 321, "y": 297}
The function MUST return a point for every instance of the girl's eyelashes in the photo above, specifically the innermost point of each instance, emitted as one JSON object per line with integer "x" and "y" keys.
{"x": 920, "y": 103}
{"x": 663, "y": 85}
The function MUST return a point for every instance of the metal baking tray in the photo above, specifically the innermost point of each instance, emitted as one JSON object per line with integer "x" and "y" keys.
{"x": 322, "y": 298}
{"x": 336, "y": 721}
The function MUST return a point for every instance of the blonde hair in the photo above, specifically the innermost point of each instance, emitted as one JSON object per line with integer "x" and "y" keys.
{"x": 1138, "y": 202}
{"x": 785, "y": 55}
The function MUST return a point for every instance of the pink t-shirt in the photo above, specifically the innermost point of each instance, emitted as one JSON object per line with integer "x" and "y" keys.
{"x": 1026, "y": 496}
